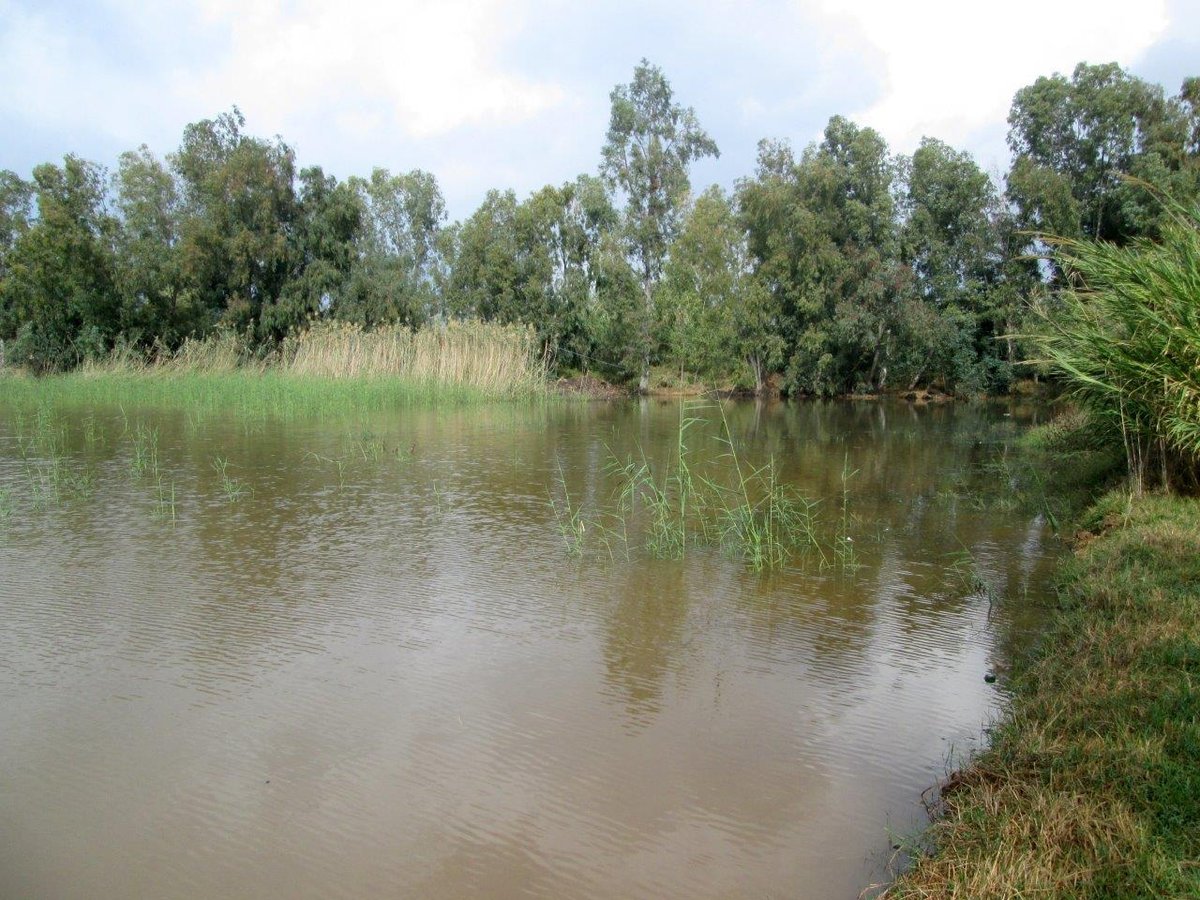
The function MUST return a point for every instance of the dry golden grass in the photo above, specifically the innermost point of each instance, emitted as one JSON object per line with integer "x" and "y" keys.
{"x": 491, "y": 358}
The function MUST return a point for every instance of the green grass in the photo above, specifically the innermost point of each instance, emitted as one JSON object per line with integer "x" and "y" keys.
{"x": 668, "y": 508}
{"x": 328, "y": 369}
{"x": 1091, "y": 787}
{"x": 246, "y": 393}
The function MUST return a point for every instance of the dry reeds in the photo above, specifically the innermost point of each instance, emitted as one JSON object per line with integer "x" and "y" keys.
{"x": 495, "y": 359}
{"x": 471, "y": 358}
{"x": 330, "y": 369}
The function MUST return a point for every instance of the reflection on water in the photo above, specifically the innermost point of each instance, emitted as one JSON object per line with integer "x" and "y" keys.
{"x": 377, "y": 672}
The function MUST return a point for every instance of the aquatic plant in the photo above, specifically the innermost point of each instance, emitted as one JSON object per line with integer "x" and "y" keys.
{"x": 843, "y": 546}
{"x": 233, "y": 488}
{"x": 165, "y": 502}
{"x": 1126, "y": 337}
{"x": 569, "y": 518}
{"x": 746, "y": 510}
{"x": 496, "y": 360}
{"x": 145, "y": 450}
{"x": 330, "y": 370}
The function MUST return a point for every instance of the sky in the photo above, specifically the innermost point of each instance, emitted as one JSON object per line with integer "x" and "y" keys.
{"x": 515, "y": 93}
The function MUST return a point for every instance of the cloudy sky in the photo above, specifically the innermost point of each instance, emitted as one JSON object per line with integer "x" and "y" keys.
{"x": 514, "y": 93}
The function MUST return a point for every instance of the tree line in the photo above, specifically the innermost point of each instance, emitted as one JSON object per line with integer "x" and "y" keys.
{"x": 840, "y": 268}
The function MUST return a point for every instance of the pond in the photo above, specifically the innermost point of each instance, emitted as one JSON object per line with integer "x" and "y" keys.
{"x": 436, "y": 653}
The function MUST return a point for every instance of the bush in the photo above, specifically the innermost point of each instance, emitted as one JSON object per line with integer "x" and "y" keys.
{"x": 1126, "y": 336}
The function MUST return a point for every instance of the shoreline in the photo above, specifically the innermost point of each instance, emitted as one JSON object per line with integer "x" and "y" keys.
{"x": 1091, "y": 784}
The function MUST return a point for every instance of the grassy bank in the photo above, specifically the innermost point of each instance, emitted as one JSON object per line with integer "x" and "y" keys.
{"x": 327, "y": 369}
{"x": 1091, "y": 787}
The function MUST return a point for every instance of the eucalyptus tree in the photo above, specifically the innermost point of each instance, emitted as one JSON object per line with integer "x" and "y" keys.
{"x": 485, "y": 273}
{"x": 1073, "y": 138}
{"x": 59, "y": 293}
{"x": 718, "y": 317}
{"x": 559, "y": 230}
{"x": 952, "y": 244}
{"x": 398, "y": 263}
{"x": 16, "y": 213}
{"x": 329, "y": 220}
{"x": 155, "y": 305}
{"x": 240, "y": 205}
{"x": 824, "y": 234}
{"x": 651, "y": 143}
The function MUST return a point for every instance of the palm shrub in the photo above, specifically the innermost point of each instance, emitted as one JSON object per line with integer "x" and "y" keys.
{"x": 1125, "y": 334}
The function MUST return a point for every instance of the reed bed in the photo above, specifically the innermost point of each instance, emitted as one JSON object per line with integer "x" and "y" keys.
{"x": 1127, "y": 340}
{"x": 330, "y": 368}
{"x": 493, "y": 359}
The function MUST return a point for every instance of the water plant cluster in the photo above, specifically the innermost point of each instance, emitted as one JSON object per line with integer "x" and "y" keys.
{"x": 61, "y": 458}
{"x": 48, "y": 473}
{"x": 745, "y": 509}
{"x": 328, "y": 370}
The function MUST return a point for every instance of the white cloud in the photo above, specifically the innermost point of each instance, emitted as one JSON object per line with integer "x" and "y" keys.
{"x": 952, "y": 67}
{"x": 498, "y": 93}
{"x": 424, "y": 68}
{"x": 412, "y": 68}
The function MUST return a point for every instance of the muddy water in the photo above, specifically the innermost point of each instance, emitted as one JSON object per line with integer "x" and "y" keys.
{"x": 361, "y": 662}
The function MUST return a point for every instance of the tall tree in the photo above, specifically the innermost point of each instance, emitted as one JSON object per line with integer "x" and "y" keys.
{"x": 396, "y": 276}
{"x": 329, "y": 220}
{"x": 241, "y": 205}
{"x": 59, "y": 289}
{"x": 825, "y": 238}
{"x": 154, "y": 302}
{"x": 719, "y": 318}
{"x": 1076, "y": 137}
{"x": 952, "y": 246}
{"x": 16, "y": 211}
{"x": 652, "y": 142}
{"x": 485, "y": 274}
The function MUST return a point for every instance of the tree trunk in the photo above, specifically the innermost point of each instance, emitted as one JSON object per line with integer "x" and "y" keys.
{"x": 876, "y": 359}
{"x": 757, "y": 368}
{"x": 647, "y": 328}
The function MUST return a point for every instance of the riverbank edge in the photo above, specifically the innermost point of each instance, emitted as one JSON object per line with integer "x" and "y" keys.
{"x": 1091, "y": 784}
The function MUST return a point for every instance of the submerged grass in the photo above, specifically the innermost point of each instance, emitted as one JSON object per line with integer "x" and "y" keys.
{"x": 671, "y": 507}
{"x": 1091, "y": 787}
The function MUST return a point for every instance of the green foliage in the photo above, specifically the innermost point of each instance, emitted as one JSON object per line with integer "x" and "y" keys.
{"x": 59, "y": 295}
{"x": 825, "y": 234}
{"x": 650, "y": 146}
{"x": 1073, "y": 139}
{"x": 716, "y": 317}
{"x": 841, "y": 269}
{"x": 396, "y": 254}
{"x": 240, "y": 208}
{"x": 1126, "y": 336}
{"x": 669, "y": 508}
